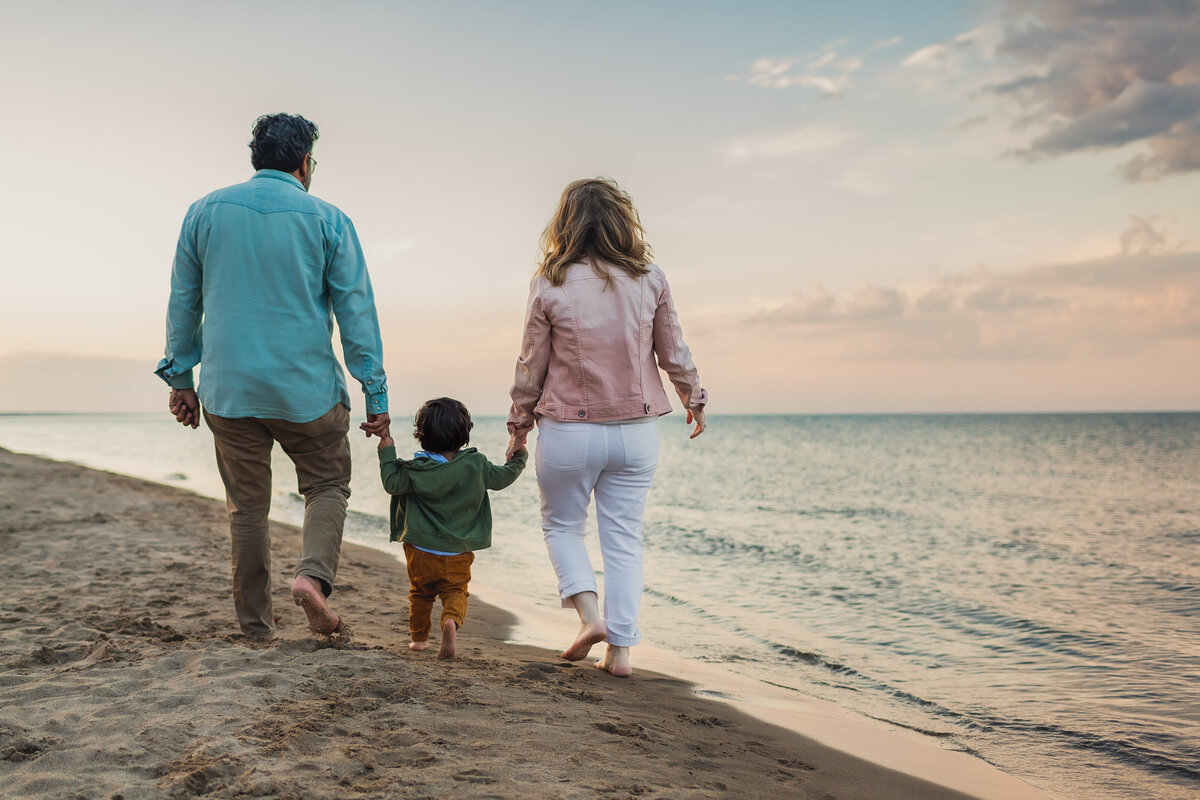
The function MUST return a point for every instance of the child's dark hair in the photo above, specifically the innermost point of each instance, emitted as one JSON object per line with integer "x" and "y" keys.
{"x": 443, "y": 425}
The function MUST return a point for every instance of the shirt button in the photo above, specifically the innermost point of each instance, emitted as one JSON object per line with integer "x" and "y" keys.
{"x": 582, "y": 413}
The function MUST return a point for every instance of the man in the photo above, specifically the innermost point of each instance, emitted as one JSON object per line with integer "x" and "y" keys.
{"x": 261, "y": 270}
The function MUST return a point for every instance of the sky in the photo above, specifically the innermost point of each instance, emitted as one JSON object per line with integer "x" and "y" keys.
{"x": 861, "y": 206}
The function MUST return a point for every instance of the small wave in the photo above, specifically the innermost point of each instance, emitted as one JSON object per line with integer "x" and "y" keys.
{"x": 925, "y": 731}
{"x": 1124, "y": 750}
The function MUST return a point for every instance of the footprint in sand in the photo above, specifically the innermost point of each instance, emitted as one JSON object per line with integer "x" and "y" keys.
{"x": 626, "y": 729}
{"x": 474, "y": 776}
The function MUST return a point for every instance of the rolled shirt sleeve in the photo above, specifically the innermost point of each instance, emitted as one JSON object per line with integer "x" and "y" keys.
{"x": 353, "y": 303}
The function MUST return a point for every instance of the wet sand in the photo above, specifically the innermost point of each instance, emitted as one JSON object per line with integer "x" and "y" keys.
{"x": 123, "y": 675}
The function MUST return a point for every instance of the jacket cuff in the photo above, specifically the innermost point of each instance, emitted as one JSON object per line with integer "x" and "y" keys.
{"x": 519, "y": 423}
{"x": 387, "y": 455}
{"x": 520, "y": 457}
{"x": 697, "y": 401}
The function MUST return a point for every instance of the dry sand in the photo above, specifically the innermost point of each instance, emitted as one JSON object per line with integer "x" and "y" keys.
{"x": 122, "y": 675}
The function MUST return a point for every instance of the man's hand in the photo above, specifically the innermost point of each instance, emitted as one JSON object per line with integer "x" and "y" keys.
{"x": 376, "y": 424}
{"x": 515, "y": 442}
{"x": 185, "y": 406}
{"x": 698, "y": 416}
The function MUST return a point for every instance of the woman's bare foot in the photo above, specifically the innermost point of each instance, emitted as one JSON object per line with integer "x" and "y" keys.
{"x": 449, "y": 634}
{"x": 591, "y": 626}
{"x": 414, "y": 645}
{"x": 589, "y": 634}
{"x": 307, "y": 594}
{"x": 616, "y": 662}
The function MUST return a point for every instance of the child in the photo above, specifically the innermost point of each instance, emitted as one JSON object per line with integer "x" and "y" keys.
{"x": 440, "y": 511}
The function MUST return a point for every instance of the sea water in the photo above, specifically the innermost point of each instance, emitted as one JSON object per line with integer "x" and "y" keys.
{"x": 1023, "y": 587}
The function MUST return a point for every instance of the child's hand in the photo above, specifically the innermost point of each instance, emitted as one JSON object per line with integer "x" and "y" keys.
{"x": 515, "y": 442}
{"x": 385, "y": 440}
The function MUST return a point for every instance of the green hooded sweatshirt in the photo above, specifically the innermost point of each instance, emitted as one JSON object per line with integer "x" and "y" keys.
{"x": 445, "y": 506}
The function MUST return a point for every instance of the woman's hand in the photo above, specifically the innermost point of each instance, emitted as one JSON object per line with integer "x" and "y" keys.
{"x": 515, "y": 442}
{"x": 698, "y": 416}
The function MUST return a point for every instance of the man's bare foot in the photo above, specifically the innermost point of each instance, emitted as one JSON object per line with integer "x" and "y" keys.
{"x": 616, "y": 662}
{"x": 589, "y": 634}
{"x": 449, "y": 635}
{"x": 308, "y": 595}
{"x": 415, "y": 645}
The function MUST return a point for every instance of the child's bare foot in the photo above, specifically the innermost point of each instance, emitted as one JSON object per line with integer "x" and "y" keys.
{"x": 415, "y": 645}
{"x": 589, "y": 634}
{"x": 616, "y": 662}
{"x": 308, "y": 595}
{"x": 449, "y": 634}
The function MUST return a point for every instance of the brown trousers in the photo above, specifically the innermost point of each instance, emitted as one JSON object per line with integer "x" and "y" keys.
{"x": 430, "y": 577}
{"x": 321, "y": 452}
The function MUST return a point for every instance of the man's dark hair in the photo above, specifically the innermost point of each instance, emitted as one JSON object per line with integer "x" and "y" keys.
{"x": 443, "y": 426}
{"x": 281, "y": 141}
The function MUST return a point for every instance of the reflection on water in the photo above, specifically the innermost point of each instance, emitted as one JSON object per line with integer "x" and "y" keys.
{"x": 1025, "y": 587}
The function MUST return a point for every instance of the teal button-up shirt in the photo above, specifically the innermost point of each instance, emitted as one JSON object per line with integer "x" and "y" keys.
{"x": 261, "y": 271}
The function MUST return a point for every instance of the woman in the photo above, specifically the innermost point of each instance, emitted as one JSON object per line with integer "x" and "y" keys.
{"x": 599, "y": 324}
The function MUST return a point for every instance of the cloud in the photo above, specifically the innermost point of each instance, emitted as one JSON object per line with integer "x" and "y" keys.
{"x": 1102, "y": 75}
{"x": 1142, "y": 110}
{"x": 937, "y": 68}
{"x": 804, "y": 140}
{"x": 969, "y": 122}
{"x": 813, "y": 305}
{"x": 1141, "y": 238}
{"x": 947, "y": 56}
{"x": 1123, "y": 304}
{"x": 826, "y": 70}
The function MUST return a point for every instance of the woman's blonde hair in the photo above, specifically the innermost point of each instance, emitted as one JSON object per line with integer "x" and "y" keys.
{"x": 596, "y": 222}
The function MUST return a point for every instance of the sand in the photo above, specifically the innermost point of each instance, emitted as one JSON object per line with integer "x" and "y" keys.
{"x": 123, "y": 675}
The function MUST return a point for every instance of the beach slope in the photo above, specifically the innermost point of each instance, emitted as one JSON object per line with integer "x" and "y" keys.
{"x": 122, "y": 675}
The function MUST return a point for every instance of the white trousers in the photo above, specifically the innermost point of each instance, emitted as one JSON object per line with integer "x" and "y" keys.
{"x": 617, "y": 462}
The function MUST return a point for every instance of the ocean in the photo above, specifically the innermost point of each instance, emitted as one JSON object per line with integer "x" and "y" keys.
{"x": 1023, "y": 587}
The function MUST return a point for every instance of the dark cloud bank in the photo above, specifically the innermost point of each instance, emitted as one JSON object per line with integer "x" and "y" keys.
{"x": 1098, "y": 74}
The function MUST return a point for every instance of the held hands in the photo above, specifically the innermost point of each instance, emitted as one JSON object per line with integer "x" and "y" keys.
{"x": 386, "y": 440}
{"x": 377, "y": 425}
{"x": 516, "y": 442}
{"x": 698, "y": 416}
{"x": 185, "y": 407}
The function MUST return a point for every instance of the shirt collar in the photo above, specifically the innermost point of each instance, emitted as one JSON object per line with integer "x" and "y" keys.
{"x": 275, "y": 174}
{"x": 438, "y": 457}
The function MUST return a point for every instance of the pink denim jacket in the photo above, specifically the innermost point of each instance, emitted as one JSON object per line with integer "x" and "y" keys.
{"x": 588, "y": 353}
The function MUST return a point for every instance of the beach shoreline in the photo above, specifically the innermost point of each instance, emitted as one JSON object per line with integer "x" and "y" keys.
{"x": 123, "y": 674}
